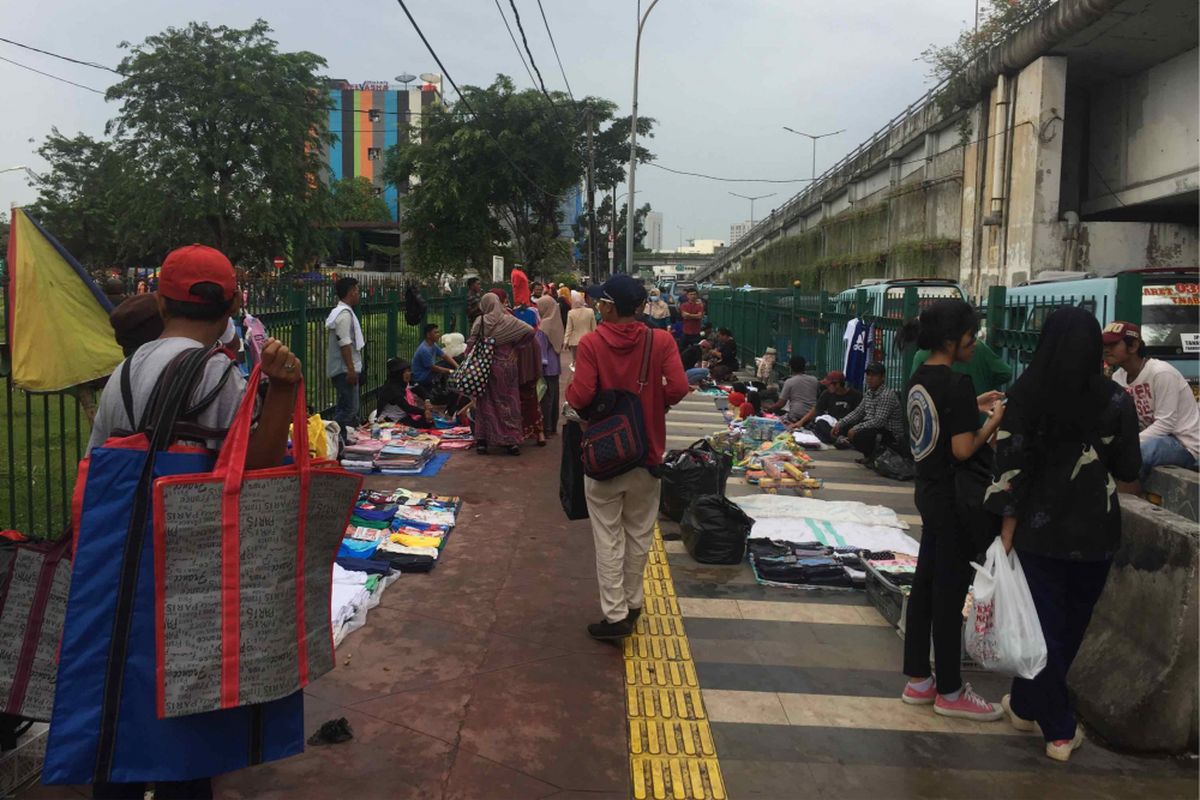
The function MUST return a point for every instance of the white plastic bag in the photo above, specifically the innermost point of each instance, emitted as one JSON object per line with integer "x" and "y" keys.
{"x": 1003, "y": 632}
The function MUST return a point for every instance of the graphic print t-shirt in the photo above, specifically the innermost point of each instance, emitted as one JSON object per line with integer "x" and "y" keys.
{"x": 838, "y": 405}
{"x": 941, "y": 405}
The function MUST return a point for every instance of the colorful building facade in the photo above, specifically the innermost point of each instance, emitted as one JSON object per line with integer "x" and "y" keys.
{"x": 368, "y": 118}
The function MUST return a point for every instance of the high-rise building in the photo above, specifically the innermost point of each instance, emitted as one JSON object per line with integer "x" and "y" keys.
{"x": 366, "y": 119}
{"x": 737, "y": 230}
{"x": 654, "y": 228}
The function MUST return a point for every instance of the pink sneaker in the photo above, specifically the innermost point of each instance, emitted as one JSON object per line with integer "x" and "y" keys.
{"x": 916, "y": 698}
{"x": 968, "y": 706}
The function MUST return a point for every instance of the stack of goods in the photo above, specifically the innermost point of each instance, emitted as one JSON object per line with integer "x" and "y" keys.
{"x": 356, "y": 590}
{"x": 778, "y": 464}
{"x": 359, "y": 456}
{"x": 404, "y": 529}
{"x": 806, "y": 564}
{"x": 404, "y": 456}
{"x": 456, "y": 438}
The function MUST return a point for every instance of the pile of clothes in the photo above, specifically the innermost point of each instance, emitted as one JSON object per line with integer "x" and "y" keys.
{"x": 404, "y": 456}
{"x": 389, "y": 448}
{"x": 357, "y": 588}
{"x": 404, "y": 529}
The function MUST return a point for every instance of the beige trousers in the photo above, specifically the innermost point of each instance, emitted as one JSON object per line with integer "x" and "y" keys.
{"x": 623, "y": 511}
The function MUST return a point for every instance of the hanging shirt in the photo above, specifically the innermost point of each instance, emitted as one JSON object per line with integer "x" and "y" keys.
{"x": 858, "y": 338}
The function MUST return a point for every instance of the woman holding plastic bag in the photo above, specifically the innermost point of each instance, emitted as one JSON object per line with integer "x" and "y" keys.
{"x": 1068, "y": 432}
{"x": 944, "y": 433}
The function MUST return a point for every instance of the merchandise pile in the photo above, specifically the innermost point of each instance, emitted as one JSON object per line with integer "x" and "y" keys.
{"x": 405, "y": 529}
{"x": 387, "y": 448}
{"x": 778, "y": 463}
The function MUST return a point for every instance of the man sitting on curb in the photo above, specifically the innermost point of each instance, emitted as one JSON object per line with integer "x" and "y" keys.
{"x": 1167, "y": 413}
{"x": 836, "y": 401}
{"x": 878, "y": 422}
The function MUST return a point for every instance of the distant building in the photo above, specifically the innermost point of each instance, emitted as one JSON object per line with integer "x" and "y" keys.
{"x": 737, "y": 230}
{"x": 702, "y": 247}
{"x": 365, "y": 120}
{"x": 654, "y": 229}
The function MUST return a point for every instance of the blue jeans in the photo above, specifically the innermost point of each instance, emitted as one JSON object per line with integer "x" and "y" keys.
{"x": 1165, "y": 451}
{"x": 697, "y": 374}
{"x": 345, "y": 409}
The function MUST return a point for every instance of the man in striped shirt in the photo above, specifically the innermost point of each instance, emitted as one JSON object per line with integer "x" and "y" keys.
{"x": 878, "y": 422}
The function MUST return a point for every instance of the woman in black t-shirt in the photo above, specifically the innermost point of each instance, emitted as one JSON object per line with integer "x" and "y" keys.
{"x": 943, "y": 426}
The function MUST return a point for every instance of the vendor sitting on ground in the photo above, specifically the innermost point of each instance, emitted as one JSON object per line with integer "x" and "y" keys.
{"x": 878, "y": 422}
{"x": 695, "y": 361}
{"x": 397, "y": 400}
{"x": 799, "y": 393}
{"x": 834, "y": 404}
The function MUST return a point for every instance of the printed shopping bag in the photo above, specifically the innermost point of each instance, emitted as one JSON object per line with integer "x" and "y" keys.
{"x": 1003, "y": 631}
{"x": 104, "y": 726}
{"x": 34, "y": 580}
{"x": 243, "y": 572}
{"x": 473, "y": 374}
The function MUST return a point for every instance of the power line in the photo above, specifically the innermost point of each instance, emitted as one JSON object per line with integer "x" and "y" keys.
{"x": 555, "y": 47}
{"x": 91, "y": 64}
{"x": 728, "y": 180}
{"x": 516, "y": 46}
{"x": 48, "y": 75}
{"x": 521, "y": 28}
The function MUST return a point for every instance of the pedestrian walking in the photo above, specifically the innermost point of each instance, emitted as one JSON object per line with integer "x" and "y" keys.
{"x": 550, "y": 340}
{"x": 498, "y": 409}
{"x": 580, "y": 322}
{"x": 944, "y": 432}
{"x": 343, "y": 359}
{"x": 1067, "y": 433}
{"x": 623, "y": 509}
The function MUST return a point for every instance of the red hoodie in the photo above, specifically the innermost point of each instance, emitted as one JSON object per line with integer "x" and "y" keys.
{"x": 611, "y": 358}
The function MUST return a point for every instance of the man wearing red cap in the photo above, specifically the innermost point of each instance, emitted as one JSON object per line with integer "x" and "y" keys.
{"x": 1167, "y": 413}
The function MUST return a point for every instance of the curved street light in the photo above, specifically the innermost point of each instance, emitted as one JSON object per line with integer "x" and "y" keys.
{"x": 629, "y": 227}
{"x": 814, "y": 138}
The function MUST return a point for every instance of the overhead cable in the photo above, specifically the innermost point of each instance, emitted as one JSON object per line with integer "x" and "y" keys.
{"x": 555, "y": 47}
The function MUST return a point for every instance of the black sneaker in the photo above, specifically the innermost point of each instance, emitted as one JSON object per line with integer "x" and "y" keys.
{"x": 611, "y": 630}
{"x": 634, "y": 614}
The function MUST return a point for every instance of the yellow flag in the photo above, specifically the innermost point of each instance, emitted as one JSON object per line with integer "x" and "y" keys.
{"x": 58, "y": 326}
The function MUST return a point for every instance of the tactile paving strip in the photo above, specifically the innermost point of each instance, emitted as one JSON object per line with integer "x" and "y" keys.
{"x": 671, "y": 750}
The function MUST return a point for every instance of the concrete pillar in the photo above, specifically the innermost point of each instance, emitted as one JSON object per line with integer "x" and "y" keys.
{"x": 931, "y": 145}
{"x": 974, "y": 187}
{"x": 1034, "y": 232}
{"x": 894, "y": 172}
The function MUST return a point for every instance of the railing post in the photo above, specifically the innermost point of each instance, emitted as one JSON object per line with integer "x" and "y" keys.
{"x": 997, "y": 299}
{"x": 823, "y": 337}
{"x": 298, "y": 300}
{"x": 910, "y": 310}
{"x": 393, "y": 322}
{"x": 1129, "y": 298}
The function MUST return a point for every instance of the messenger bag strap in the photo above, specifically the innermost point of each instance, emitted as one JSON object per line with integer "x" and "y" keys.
{"x": 644, "y": 375}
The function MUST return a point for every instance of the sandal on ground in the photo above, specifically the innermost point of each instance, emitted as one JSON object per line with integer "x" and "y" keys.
{"x": 514, "y": 449}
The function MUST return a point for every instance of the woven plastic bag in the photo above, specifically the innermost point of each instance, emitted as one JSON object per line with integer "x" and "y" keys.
{"x": 1003, "y": 631}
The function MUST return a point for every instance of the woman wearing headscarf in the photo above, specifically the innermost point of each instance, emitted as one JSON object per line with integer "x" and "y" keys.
{"x": 529, "y": 372}
{"x": 397, "y": 400}
{"x": 658, "y": 313}
{"x": 1067, "y": 434}
{"x": 550, "y": 340}
{"x": 520, "y": 287}
{"x": 498, "y": 409}
{"x": 564, "y": 303}
{"x": 580, "y": 322}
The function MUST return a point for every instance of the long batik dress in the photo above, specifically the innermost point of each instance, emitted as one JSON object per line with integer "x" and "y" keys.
{"x": 498, "y": 409}
{"x": 529, "y": 371}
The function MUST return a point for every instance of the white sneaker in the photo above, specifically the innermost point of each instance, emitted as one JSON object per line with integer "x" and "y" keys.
{"x": 1061, "y": 749}
{"x": 1020, "y": 723}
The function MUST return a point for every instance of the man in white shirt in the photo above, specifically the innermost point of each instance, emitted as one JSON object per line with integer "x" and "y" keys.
{"x": 343, "y": 360}
{"x": 1167, "y": 412}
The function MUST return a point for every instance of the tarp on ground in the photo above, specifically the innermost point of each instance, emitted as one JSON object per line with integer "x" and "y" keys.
{"x": 58, "y": 327}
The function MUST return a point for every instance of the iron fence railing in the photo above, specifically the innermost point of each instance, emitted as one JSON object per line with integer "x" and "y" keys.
{"x": 45, "y": 435}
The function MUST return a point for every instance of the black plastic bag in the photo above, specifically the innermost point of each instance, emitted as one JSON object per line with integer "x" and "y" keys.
{"x": 687, "y": 474}
{"x": 715, "y": 530}
{"x": 724, "y": 460}
{"x": 891, "y": 464}
{"x": 570, "y": 479}
{"x": 414, "y": 305}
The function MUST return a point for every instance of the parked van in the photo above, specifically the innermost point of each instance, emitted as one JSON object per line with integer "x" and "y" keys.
{"x": 1170, "y": 309}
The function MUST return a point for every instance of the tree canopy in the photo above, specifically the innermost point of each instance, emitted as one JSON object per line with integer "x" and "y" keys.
{"x": 494, "y": 182}
{"x": 218, "y": 139}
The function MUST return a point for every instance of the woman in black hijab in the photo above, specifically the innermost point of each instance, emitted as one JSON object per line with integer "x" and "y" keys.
{"x": 397, "y": 400}
{"x": 1067, "y": 433}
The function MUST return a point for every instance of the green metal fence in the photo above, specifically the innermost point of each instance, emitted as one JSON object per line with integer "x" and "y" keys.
{"x": 45, "y": 435}
{"x": 813, "y": 325}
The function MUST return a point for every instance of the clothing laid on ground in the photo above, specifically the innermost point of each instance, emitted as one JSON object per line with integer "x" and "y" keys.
{"x": 1061, "y": 489}
{"x": 609, "y": 359}
{"x": 799, "y": 392}
{"x": 344, "y": 329}
{"x": 623, "y": 511}
{"x": 149, "y": 362}
{"x": 693, "y": 326}
{"x": 838, "y": 405}
{"x": 879, "y": 410}
{"x": 423, "y": 360}
{"x": 1164, "y": 402}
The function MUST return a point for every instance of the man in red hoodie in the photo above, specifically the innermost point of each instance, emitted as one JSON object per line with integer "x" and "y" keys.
{"x": 623, "y": 509}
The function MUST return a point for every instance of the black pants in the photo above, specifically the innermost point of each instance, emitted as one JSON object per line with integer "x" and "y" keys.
{"x": 200, "y": 789}
{"x": 823, "y": 431}
{"x": 939, "y": 588}
{"x": 1065, "y": 593}
{"x": 869, "y": 441}
{"x": 551, "y": 405}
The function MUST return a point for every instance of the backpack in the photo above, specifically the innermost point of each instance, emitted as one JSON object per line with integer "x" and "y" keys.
{"x": 615, "y": 439}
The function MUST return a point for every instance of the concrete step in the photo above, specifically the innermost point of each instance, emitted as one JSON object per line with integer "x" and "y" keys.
{"x": 1176, "y": 489}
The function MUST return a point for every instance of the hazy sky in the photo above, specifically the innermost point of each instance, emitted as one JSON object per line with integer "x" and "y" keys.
{"x": 720, "y": 76}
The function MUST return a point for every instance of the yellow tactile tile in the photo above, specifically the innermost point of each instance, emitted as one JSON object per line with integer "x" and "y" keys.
{"x": 671, "y": 749}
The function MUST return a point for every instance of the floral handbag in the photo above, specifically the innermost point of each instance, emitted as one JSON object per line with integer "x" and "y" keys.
{"x": 472, "y": 376}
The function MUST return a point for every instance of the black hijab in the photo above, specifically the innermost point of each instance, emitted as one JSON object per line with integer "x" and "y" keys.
{"x": 1063, "y": 392}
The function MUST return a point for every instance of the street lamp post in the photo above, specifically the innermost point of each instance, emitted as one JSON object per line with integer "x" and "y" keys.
{"x": 814, "y": 138}
{"x": 406, "y": 79}
{"x": 752, "y": 199}
{"x": 629, "y": 226}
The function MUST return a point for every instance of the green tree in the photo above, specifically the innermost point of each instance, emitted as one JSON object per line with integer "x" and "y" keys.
{"x": 233, "y": 132}
{"x": 498, "y": 179}
{"x": 355, "y": 200}
{"x": 604, "y": 224}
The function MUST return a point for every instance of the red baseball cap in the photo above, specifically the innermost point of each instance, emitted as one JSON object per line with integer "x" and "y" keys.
{"x": 187, "y": 266}
{"x": 1116, "y": 331}
{"x": 834, "y": 377}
